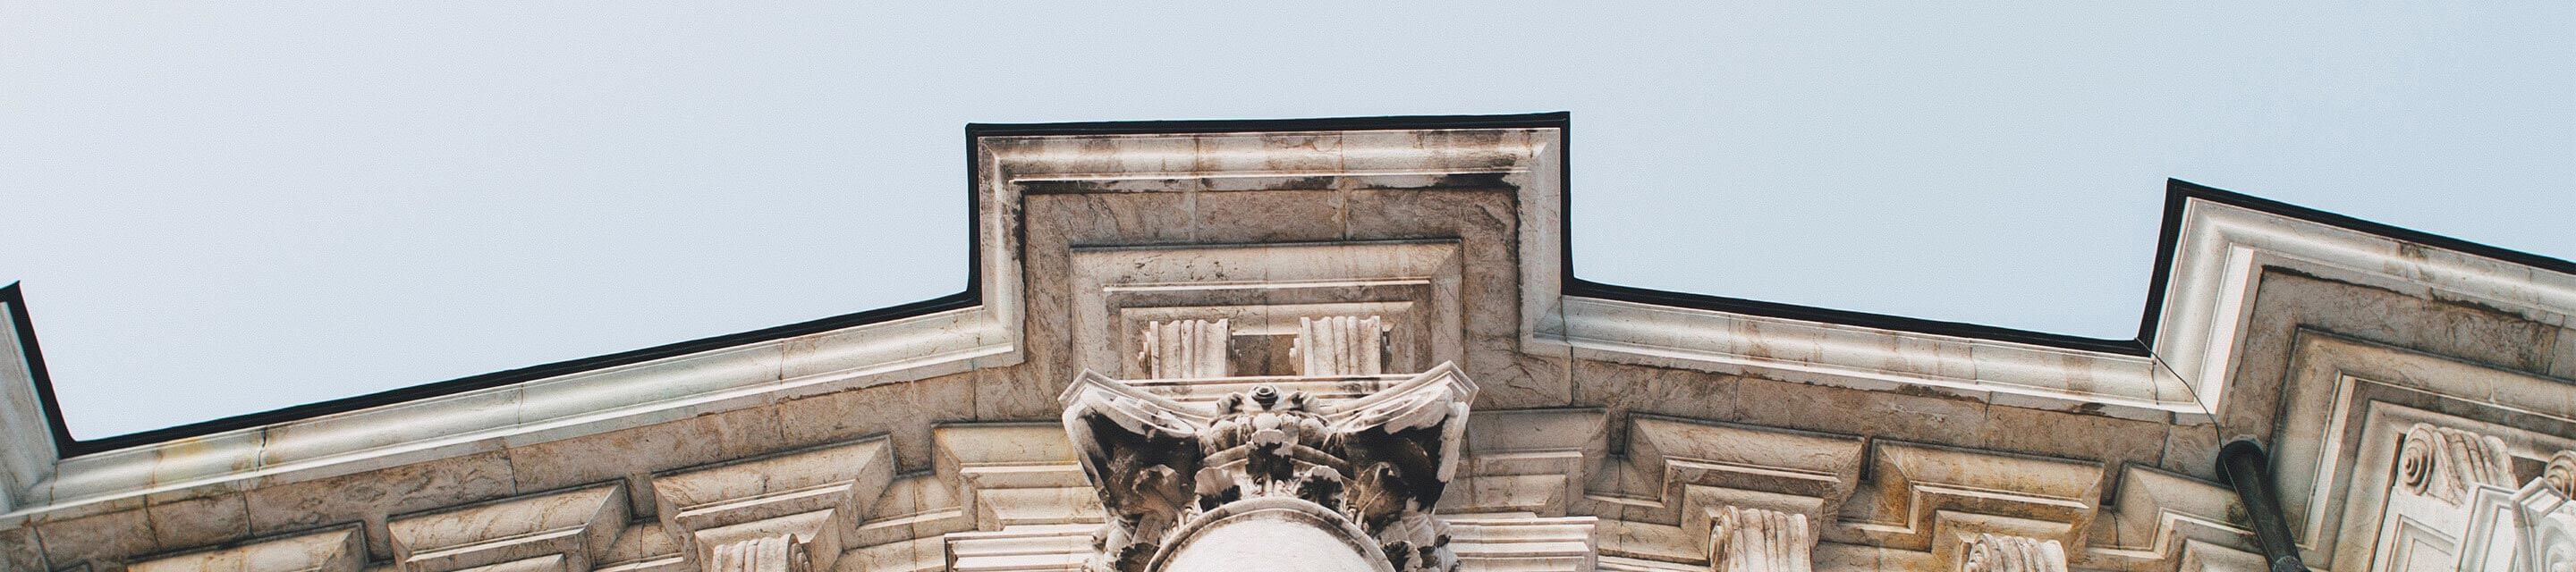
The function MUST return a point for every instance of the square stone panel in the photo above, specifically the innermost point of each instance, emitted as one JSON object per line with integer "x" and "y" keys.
{"x": 1267, "y": 216}
{"x": 903, "y": 411}
{"x": 1931, "y": 419}
{"x": 18, "y": 550}
{"x": 199, "y": 521}
{"x": 1627, "y": 389}
{"x": 106, "y": 536}
{"x": 1515, "y": 380}
{"x": 2111, "y": 440}
{"x": 2289, "y": 302}
{"x": 1103, "y": 219}
{"x": 630, "y": 452}
{"x": 369, "y": 496}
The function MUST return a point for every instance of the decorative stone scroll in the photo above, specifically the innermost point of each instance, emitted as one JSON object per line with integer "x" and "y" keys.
{"x": 2005, "y": 553}
{"x": 1182, "y": 349}
{"x": 1341, "y": 345}
{"x": 2446, "y": 463}
{"x": 1172, "y": 474}
{"x": 1757, "y": 540}
{"x": 2561, "y": 473}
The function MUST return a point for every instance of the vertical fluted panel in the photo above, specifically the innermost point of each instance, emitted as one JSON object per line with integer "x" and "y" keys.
{"x": 1182, "y": 349}
{"x": 1341, "y": 345}
{"x": 2004, "y": 553}
{"x": 764, "y": 554}
{"x": 1756, "y": 540}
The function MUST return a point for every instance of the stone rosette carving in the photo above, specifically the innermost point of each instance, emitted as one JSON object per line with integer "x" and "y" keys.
{"x": 2445, "y": 463}
{"x": 1757, "y": 540}
{"x": 1380, "y": 462}
{"x": 2006, "y": 553}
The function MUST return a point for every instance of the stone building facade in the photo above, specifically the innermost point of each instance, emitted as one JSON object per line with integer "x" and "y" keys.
{"x": 1354, "y": 345}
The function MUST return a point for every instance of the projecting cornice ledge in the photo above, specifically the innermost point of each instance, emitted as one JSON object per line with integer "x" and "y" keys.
{"x": 2215, "y": 246}
{"x": 2220, "y": 243}
{"x": 515, "y": 415}
{"x": 1858, "y": 357}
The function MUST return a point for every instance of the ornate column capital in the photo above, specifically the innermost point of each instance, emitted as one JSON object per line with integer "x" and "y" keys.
{"x": 1169, "y": 471}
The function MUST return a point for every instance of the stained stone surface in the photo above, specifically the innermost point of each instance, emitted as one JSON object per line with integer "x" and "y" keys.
{"x": 1269, "y": 546}
{"x": 2411, "y": 398}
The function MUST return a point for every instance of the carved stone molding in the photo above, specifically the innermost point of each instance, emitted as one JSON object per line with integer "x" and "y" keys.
{"x": 1380, "y": 461}
{"x": 2005, "y": 553}
{"x": 2445, "y": 463}
{"x": 2160, "y": 516}
{"x": 807, "y": 499}
{"x": 338, "y": 550}
{"x": 548, "y": 530}
{"x": 1341, "y": 345}
{"x": 2360, "y": 419}
{"x": 2561, "y": 473}
{"x": 1695, "y": 470}
{"x": 1181, "y": 349}
{"x": 1757, "y": 540}
{"x": 1921, "y": 496}
{"x": 765, "y": 553}
{"x": 2545, "y": 531}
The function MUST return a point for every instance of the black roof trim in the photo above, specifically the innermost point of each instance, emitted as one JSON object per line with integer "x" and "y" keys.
{"x": 1581, "y": 287}
{"x": 2179, "y": 189}
{"x": 76, "y": 447}
{"x": 970, "y": 296}
{"x": 2178, "y": 196}
{"x": 25, "y": 327}
{"x": 1378, "y": 123}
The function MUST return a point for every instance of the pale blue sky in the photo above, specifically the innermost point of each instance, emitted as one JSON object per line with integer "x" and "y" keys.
{"x": 221, "y": 208}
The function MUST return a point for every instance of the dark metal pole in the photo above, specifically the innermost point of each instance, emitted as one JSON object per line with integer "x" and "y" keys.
{"x": 2245, "y": 467}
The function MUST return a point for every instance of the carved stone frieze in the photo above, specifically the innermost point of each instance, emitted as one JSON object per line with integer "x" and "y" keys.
{"x": 1379, "y": 461}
